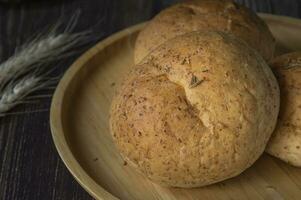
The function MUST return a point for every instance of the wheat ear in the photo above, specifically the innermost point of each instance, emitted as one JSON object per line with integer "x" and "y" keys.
{"x": 15, "y": 91}
{"x": 43, "y": 49}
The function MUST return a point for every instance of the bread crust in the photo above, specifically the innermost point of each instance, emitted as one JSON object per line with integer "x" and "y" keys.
{"x": 198, "y": 110}
{"x": 206, "y": 15}
{"x": 286, "y": 140}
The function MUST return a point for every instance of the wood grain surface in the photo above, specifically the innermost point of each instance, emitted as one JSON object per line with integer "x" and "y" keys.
{"x": 30, "y": 167}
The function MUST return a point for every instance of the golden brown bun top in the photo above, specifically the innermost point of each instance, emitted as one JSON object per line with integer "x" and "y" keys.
{"x": 205, "y": 15}
{"x": 199, "y": 109}
{"x": 286, "y": 141}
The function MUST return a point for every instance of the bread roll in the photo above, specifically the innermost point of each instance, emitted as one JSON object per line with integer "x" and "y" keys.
{"x": 221, "y": 15}
{"x": 199, "y": 109}
{"x": 286, "y": 140}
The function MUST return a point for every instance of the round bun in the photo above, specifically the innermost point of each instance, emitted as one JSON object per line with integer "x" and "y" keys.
{"x": 199, "y": 109}
{"x": 286, "y": 140}
{"x": 204, "y": 15}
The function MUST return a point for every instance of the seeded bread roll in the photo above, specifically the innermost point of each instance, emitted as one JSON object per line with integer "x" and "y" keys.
{"x": 220, "y": 15}
{"x": 198, "y": 110}
{"x": 286, "y": 140}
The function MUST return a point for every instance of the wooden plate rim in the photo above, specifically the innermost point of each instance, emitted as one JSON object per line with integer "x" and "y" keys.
{"x": 56, "y": 122}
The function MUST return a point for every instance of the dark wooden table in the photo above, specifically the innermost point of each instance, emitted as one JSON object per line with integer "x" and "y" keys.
{"x": 30, "y": 167}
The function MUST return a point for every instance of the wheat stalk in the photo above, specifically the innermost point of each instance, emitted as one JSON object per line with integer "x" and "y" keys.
{"x": 15, "y": 91}
{"x": 24, "y": 72}
{"x": 42, "y": 51}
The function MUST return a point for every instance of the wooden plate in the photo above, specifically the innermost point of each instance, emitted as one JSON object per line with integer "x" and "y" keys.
{"x": 80, "y": 130}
